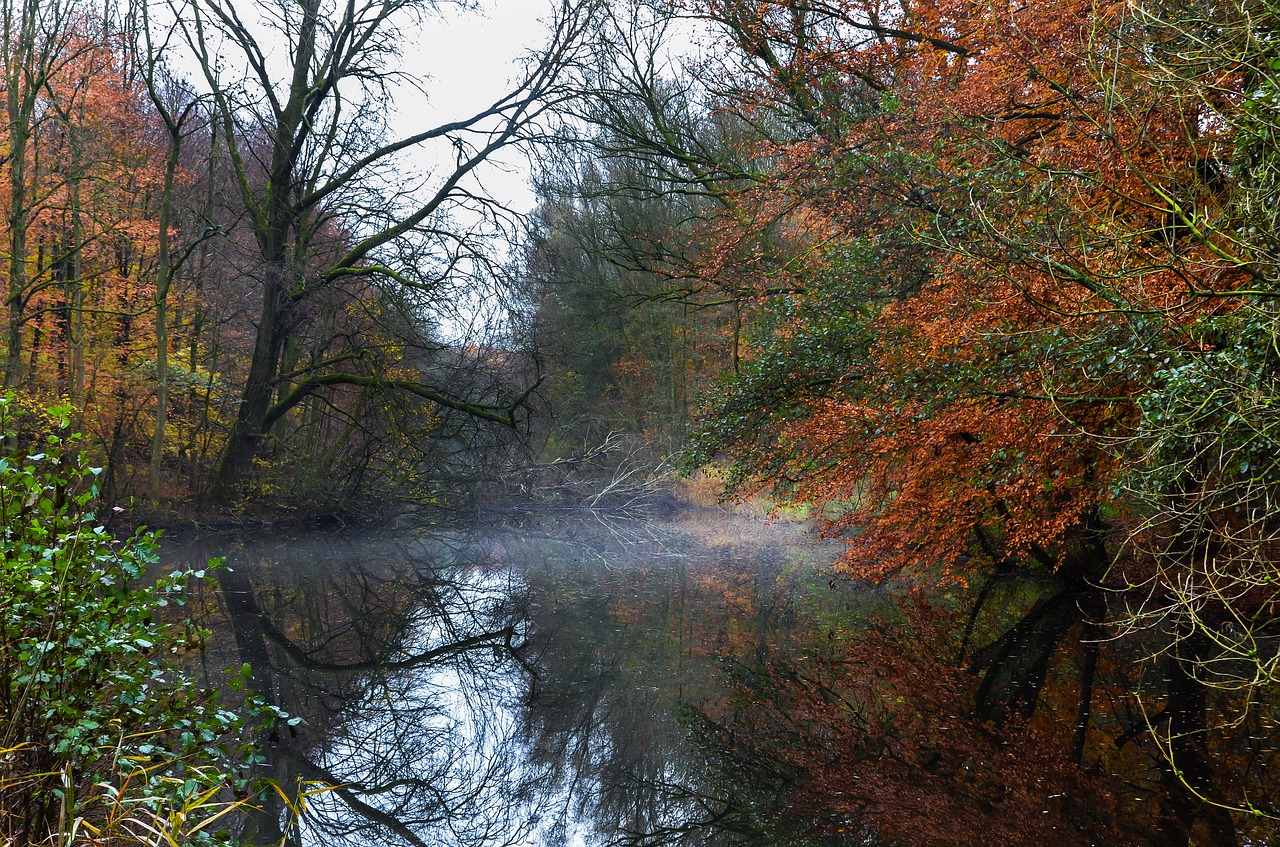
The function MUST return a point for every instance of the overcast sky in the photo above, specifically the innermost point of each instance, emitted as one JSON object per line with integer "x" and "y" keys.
{"x": 466, "y": 59}
{"x": 470, "y": 60}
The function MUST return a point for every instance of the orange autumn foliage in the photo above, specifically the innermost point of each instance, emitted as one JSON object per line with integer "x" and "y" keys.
{"x": 95, "y": 158}
{"x": 1031, "y": 166}
{"x": 1018, "y": 233}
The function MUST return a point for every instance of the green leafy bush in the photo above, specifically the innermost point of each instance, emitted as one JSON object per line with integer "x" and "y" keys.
{"x": 98, "y": 730}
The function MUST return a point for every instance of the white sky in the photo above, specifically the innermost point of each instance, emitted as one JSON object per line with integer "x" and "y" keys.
{"x": 469, "y": 59}
{"x": 466, "y": 60}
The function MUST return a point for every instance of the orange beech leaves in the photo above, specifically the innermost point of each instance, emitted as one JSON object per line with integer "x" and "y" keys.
{"x": 1023, "y": 323}
{"x": 968, "y": 481}
{"x": 1020, "y": 188}
{"x": 81, "y": 312}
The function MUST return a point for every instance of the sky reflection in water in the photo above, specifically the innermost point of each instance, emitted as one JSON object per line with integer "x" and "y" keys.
{"x": 498, "y": 684}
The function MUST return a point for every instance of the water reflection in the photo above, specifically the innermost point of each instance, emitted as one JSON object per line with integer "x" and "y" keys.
{"x": 396, "y": 650}
{"x": 631, "y": 636}
{"x": 501, "y": 684}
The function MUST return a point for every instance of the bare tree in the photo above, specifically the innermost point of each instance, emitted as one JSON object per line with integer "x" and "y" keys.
{"x": 307, "y": 138}
{"x": 182, "y": 114}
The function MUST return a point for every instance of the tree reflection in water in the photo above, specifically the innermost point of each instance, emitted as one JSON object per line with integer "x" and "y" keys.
{"x": 703, "y": 683}
{"x": 399, "y": 653}
{"x": 632, "y": 632}
{"x": 503, "y": 685}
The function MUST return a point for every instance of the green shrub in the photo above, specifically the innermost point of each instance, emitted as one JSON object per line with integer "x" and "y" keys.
{"x": 100, "y": 734}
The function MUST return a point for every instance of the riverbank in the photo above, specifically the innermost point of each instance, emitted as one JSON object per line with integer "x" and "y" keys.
{"x": 637, "y": 490}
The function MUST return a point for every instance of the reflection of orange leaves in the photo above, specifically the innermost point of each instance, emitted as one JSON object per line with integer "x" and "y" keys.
{"x": 728, "y": 626}
{"x": 880, "y": 737}
{"x": 626, "y": 613}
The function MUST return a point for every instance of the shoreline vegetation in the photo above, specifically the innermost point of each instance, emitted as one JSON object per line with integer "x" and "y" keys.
{"x": 104, "y": 738}
{"x": 608, "y": 479}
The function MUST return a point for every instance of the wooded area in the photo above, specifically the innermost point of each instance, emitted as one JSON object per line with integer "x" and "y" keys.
{"x": 237, "y": 278}
{"x": 990, "y": 289}
{"x": 993, "y": 289}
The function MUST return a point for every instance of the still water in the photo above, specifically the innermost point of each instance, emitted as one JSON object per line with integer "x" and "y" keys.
{"x": 521, "y": 682}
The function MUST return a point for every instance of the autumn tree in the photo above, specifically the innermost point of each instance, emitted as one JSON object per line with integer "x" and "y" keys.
{"x": 34, "y": 41}
{"x": 86, "y": 233}
{"x": 183, "y": 117}
{"x": 1026, "y": 245}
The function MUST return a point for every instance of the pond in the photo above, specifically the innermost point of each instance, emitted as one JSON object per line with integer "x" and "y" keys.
{"x": 539, "y": 681}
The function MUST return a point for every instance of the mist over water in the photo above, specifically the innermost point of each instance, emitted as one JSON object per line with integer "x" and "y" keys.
{"x": 500, "y": 683}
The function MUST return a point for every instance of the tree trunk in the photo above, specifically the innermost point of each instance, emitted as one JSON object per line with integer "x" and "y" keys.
{"x": 164, "y": 278}
{"x": 242, "y": 444}
{"x": 18, "y": 136}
